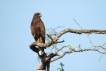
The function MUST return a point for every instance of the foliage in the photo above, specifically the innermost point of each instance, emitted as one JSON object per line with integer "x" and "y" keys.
{"x": 61, "y": 69}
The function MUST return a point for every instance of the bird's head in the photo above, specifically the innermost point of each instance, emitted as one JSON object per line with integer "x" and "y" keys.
{"x": 38, "y": 14}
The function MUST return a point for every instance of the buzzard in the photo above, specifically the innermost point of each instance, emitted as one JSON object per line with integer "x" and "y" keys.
{"x": 38, "y": 28}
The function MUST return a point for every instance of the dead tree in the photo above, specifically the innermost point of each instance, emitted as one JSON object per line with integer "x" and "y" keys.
{"x": 45, "y": 60}
{"x": 71, "y": 48}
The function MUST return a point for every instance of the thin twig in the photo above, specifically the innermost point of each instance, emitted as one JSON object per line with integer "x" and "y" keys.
{"x": 100, "y": 57}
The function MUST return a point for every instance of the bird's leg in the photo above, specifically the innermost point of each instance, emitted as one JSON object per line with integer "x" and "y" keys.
{"x": 37, "y": 41}
{"x": 40, "y": 40}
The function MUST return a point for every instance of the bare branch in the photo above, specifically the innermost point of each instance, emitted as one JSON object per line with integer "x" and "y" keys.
{"x": 49, "y": 43}
{"x": 50, "y": 36}
{"x": 66, "y": 52}
{"x": 86, "y": 34}
{"x": 72, "y": 49}
{"x": 52, "y": 39}
{"x": 91, "y": 40}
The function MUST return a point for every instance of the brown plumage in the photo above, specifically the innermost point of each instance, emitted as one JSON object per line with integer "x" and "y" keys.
{"x": 38, "y": 28}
